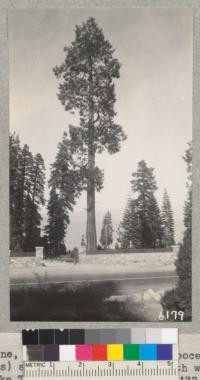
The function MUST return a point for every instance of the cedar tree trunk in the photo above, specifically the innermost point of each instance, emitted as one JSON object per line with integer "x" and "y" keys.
{"x": 91, "y": 221}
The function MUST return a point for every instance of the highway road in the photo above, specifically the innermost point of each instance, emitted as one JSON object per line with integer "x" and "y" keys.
{"x": 143, "y": 290}
{"x": 33, "y": 276}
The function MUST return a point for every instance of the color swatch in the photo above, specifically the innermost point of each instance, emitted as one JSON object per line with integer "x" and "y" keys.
{"x": 98, "y": 352}
{"x": 70, "y": 345}
{"x": 100, "y": 336}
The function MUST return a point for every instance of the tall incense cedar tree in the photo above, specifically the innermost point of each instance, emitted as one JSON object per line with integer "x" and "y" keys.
{"x": 180, "y": 298}
{"x": 167, "y": 221}
{"x": 87, "y": 86}
{"x": 106, "y": 238}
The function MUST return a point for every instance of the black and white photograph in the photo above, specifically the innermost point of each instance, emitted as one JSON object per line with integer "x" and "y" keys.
{"x": 100, "y": 113}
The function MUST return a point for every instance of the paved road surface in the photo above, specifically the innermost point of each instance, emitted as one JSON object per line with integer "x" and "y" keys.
{"x": 33, "y": 276}
{"x": 135, "y": 285}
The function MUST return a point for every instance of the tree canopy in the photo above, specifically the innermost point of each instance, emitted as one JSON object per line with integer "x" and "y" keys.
{"x": 144, "y": 186}
{"x": 180, "y": 298}
{"x": 106, "y": 238}
{"x": 65, "y": 184}
{"x": 141, "y": 225}
{"x": 27, "y": 179}
{"x": 87, "y": 87}
{"x": 167, "y": 220}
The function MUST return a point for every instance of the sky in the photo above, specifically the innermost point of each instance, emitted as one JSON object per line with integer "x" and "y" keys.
{"x": 154, "y": 97}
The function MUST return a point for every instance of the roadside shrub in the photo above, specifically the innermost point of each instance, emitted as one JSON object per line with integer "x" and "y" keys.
{"x": 180, "y": 298}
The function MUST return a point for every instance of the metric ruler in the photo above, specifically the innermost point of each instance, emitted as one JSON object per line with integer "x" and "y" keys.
{"x": 121, "y": 370}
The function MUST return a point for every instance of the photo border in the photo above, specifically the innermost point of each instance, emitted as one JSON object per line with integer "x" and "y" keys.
{"x": 5, "y": 6}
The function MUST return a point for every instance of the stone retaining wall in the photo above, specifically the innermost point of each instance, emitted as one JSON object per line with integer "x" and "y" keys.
{"x": 21, "y": 262}
{"x": 160, "y": 259}
{"x": 129, "y": 258}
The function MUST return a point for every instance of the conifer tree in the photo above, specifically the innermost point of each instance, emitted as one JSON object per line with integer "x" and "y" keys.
{"x": 25, "y": 183}
{"x": 21, "y": 179}
{"x": 143, "y": 187}
{"x": 66, "y": 183}
{"x": 154, "y": 222}
{"x": 16, "y": 225}
{"x": 87, "y": 86}
{"x": 26, "y": 195}
{"x": 180, "y": 298}
{"x": 167, "y": 221}
{"x": 125, "y": 228}
{"x": 129, "y": 231}
{"x": 67, "y": 175}
{"x": 34, "y": 200}
{"x": 106, "y": 238}
{"x": 38, "y": 180}
{"x": 58, "y": 220}
{"x": 31, "y": 229}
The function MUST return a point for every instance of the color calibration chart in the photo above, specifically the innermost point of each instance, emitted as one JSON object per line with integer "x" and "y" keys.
{"x": 100, "y": 353}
